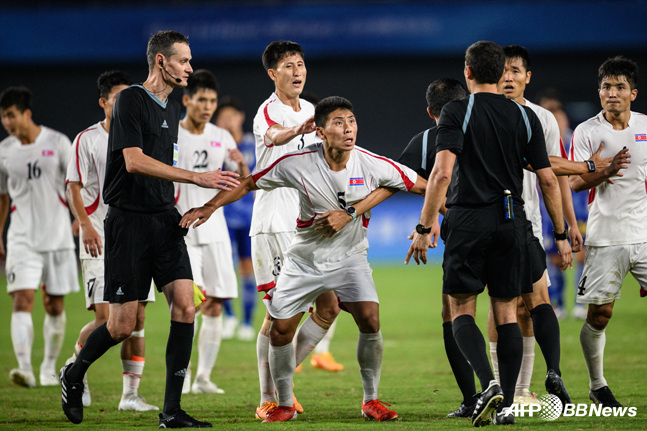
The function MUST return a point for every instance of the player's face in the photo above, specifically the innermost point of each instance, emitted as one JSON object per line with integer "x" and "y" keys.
{"x": 201, "y": 106}
{"x": 514, "y": 79}
{"x": 108, "y": 103}
{"x": 290, "y": 76}
{"x": 340, "y": 131}
{"x": 179, "y": 65}
{"x": 14, "y": 121}
{"x": 230, "y": 119}
{"x": 616, "y": 94}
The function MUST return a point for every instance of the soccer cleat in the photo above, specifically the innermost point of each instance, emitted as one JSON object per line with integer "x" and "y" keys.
{"x": 604, "y": 396}
{"x": 72, "y": 395}
{"x": 463, "y": 411}
{"x": 376, "y": 410}
{"x": 181, "y": 420}
{"x": 525, "y": 397}
{"x": 643, "y": 292}
{"x": 281, "y": 414}
{"x": 205, "y": 386}
{"x": 246, "y": 333}
{"x": 135, "y": 403}
{"x": 487, "y": 404}
{"x": 555, "y": 386}
{"x": 48, "y": 377}
{"x": 265, "y": 409}
{"x": 325, "y": 361}
{"x": 186, "y": 386}
{"x": 87, "y": 399}
{"x": 299, "y": 368}
{"x": 297, "y": 405}
{"x": 229, "y": 327}
{"x": 504, "y": 417}
{"x": 22, "y": 378}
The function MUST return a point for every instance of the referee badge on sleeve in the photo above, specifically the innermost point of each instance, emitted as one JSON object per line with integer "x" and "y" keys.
{"x": 175, "y": 153}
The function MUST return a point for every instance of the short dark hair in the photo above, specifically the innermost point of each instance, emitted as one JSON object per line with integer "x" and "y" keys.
{"x": 275, "y": 51}
{"x": 619, "y": 66}
{"x": 201, "y": 79}
{"x": 20, "y": 97}
{"x": 228, "y": 101}
{"x": 328, "y": 105}
{"x": 487, "y": 61}
{"x": 162, "y": 43}
{"x": 442, "y": 91}
{"x": 110, "y": 79}
{"x": 518, "y": 51}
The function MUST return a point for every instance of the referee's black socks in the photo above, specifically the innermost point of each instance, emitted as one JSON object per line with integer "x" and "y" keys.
{"x": 470, "y": 340}
{"x": 509, "y": 350}
{"x": 460, "y": 367}
{"x": 98, "y": 343}
{"x": 178, "y": 354}
{"x": 546, "y": 328}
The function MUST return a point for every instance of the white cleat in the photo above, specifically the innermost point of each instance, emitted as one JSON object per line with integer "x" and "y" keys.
{"x": 229, "y": 327}
{"x": 526, "y": 397}
{"x": 186, "y": 386}
{"x": 48, "y": 377}
{"x": 135, "y": 403}
{"x": 246, "y": 333}
{"x": 201, "y": 386}
{"x": 22, "y": 378}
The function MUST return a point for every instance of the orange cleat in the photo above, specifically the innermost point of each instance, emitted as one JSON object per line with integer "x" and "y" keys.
{"x": 263, "y": 411}
{"x": 298, "y": 369}
{"x": 297, "y": 405}
{"x": 325, "y": 361}
{"x": 376, "y": 410}
{"x": 281, "y": 414}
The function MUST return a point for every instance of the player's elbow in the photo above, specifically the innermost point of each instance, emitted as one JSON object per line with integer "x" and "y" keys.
{"x": 576, "y": 183}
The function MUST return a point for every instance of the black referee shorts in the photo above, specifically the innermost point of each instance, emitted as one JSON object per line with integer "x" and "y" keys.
{"x": 481, "y": 248}
{"x": 537, "y": 256}
{"x": 140, "y": 247}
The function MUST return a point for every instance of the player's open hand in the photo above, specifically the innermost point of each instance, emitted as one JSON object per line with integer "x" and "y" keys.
{"x": 418, "y": 248}
{"x": 600, "y": 163}
{"x": 224, "y": 180}
{"x": 91, "y": 240}
{"x": 331, "y": 222}
{"x": 564, "y": 250}
{"x": 196, "y": 216}
{"x": 307, "y": 126}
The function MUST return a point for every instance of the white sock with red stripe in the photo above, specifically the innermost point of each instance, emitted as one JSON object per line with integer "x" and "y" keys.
{"x": 133, "y": 369}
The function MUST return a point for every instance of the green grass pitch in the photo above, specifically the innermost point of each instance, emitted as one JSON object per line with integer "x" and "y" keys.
{"x": 416, "y": 378}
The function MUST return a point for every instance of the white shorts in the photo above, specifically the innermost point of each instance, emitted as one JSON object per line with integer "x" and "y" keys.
{"x": 213, "y": 269}
{"x": 605, "y": 269}
{"x": 56, "y": 271}
{"x": 299, "y": 286}
{"x": 94, "y": 283}
{"x": 268, "y": 256}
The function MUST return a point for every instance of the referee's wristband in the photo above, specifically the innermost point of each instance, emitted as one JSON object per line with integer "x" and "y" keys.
{"x": 561, "y": 236}
{"x": 591, "y": 165}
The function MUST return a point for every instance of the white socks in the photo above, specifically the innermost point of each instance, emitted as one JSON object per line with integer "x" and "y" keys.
{"x": 324, "y": 345}
{"x": 370, "y": 350}
{"x": 133, "y": 370}
{"x": 53, "y": 333}
{"x": 593, "y": 341}
{"x": 264, "y": 374}
{"x": 308, "y": 336}
{"x": 527, "y": 363}
{"x": 282, "y": 365}
{"x": 495, "y": 360}
{"x": 22, "y": 337}
{"x": 208, "y": 345}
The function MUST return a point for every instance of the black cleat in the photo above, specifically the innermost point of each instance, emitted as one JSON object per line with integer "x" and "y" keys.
{"x": 555, "y": 386}
{"x": 604, "y": 396}
{"x": 463, "y": 411}
{"x": 72, "y": 397}
{"x": 181, "y": 420}
{"x": 487, "y": 404}
{"x": 504, "y": 417}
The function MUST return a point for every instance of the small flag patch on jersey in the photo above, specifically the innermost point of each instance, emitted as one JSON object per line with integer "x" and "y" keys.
{"x": 641, "y": 137}
{"x": 48, "y": 153}
{"x": 216, "y": 144}
{"x": 356, "y": 181}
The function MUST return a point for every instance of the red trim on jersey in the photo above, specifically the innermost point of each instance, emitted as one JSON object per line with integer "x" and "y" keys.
{"x": 13, "y": 208}
{"x": 310, "y": 310}
{"x": 78, "y": 139}
{"x": 572, "y": 150}
{"x": 92, "y": 208}
{"x": 268, "y": 146}
{"x": 270, "y": 122}
{"x": 591, "y": 196}
{"x": 260, "y": 174}
{"x": 307, "y": 223}
{"x": 562, "y": 149}
{"x": 177, "y": 196}
{"x": 265, "y": 287}
{"x": 365, "y": 221}
{"x": 267, "y": 297}
{"x": 405, "y": 179}
{"x": 62, "y": 200}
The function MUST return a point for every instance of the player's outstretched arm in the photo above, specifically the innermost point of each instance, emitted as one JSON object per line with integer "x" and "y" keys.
{"x": 280, "y": 135}
{"x": 4, "y": 211}
{"x": 553, "y": 201}
{"x": 588, "y": 181}
{"x": 91, "y": 239}
{"x": 139, "y": 163}
{"x": 562, "y": 166}
{"x": 202, "y": 214}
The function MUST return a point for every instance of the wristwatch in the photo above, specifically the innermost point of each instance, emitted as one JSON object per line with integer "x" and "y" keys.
{"x": 561, "y": 236}
{"x": 422, "y": 230}
{"x": 591, "y": 165}
{"x": 351, "y": 212}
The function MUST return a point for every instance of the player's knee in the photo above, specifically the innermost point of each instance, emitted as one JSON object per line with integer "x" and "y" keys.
{"x": 120, "y": 331}
{"x": 325, "y": 317}
{"x": 599, "y": 317}
{"x": 369, "y": 324}
{"x": 281, "y": 335}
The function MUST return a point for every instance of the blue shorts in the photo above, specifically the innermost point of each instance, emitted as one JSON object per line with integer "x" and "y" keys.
{"x": 241, "y": 242}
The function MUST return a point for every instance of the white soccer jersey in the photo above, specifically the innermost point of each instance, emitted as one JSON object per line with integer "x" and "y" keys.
{"x": 553, "y": 148}
{"x": 276, "y": 210}
{"x": 321, "y": 189}
{"x": 34, "y": 177}
{"x": 617, "y": 212}
{"x": 88, "y": 166}
{"x": 206, "y": 152}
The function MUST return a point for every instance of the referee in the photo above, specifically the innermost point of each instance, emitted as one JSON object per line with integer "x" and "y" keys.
{"x": 483, "y": 143}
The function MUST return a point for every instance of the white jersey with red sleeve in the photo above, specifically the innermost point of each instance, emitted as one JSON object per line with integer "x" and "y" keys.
{"x": 34, "y": 177}
{"x": 276, "y": 210}
{"x": 617, "y": 212}
{"x": 320, "y": 190}
{"x": 88, "y": 167}
{"x": 205, "y": 152}
{"x": 554, "y": 147}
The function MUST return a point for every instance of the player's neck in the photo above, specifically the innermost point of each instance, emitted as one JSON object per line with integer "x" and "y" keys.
{"x": 106, "y": 124}
{"x": 193, "y": 127}
{"x": 477, "y": 87}
{"x": 618, "y": 120}
{"x": 291, "y": 101}
{"x": 336, "y": 159}
{"x": 520, "y": 100}
{"x": 158, "y": 86}
{"x": 29, "y": 137}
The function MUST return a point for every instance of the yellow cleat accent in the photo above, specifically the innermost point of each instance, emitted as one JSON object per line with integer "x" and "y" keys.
{"x": 263, "y": 411}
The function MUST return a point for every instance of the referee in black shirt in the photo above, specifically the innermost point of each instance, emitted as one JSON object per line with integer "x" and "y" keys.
{"x": 490, "y": 139}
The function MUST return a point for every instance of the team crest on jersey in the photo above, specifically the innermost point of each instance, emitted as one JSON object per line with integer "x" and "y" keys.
{"x": 216, "y": 144}
{"x": 356, "y": 181}
{"x": 641, "y": 137}
{"x": 47, "y": 153}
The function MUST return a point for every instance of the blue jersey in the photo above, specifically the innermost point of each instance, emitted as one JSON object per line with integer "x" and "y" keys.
{"x": 239, "y": 213}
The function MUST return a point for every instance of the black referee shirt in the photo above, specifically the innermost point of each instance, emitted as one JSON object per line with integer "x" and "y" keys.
{"x": 420, "y": 153}
{"x": 139, "y": 119}
{"x": 493, "y": 141}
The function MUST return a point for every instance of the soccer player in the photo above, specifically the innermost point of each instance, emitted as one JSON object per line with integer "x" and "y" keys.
{"x": 487, "y": 137}
{"x": 203, "y": 147}
{"x": 230, "y": 115}
{"x": 85, "y": 174}
{"x": 283, "y": 123}
{"x": 616, "y": 234}
{"x": 40, "y": 246}
{"x": 327, "y": 176}
{"x": 142, "y": 239}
